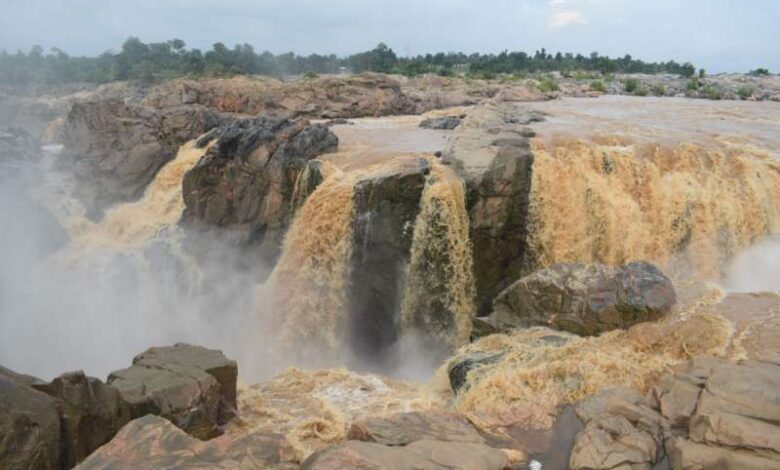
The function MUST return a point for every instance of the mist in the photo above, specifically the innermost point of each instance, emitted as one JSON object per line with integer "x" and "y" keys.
{"x": 757, "y": 269}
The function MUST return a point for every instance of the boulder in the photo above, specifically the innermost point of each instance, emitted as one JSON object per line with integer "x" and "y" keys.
{"x": 153, "y": 442}
{"x": 404, "y": 428}
{"x": 29, "y": 425}
{"x": 193, "y": 387}
{"x": 116, "y": 148}
{"x": 585, "y": 299}
{"x": 386, "y": 204}
{"x": 91, "y": 413}
{"x": 427, "y": 454}
{"x": 446, "y": 123}
{"x": 252, "y": 177}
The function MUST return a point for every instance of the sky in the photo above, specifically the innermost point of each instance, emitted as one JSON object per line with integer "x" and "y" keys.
{"x": 719, "y": 35}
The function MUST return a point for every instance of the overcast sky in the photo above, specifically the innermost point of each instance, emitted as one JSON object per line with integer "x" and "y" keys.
{"x": 719, "y": 35}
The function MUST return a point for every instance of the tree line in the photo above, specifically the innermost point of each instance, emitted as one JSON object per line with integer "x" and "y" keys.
{"x": 156, "y": 61}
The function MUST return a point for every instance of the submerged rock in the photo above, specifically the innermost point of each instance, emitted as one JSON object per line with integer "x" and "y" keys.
{"x": 29, "y": 425}
{"x": 153, "y": 442}
{"x": 586, "y": 299}
{"x": 250, "y": 179}
{"x": 446, "y": 123}
{"x": 193, "y": 387}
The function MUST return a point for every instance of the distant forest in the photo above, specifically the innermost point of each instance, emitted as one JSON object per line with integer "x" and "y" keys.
{"x": 151, "y": 62}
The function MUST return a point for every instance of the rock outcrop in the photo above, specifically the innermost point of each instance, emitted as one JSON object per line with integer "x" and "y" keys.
{"x": 711, "y": 414}
{"x": 116, "y": 148}
{"x": 386, "y": 204}
{"x": 29, "y": 425}
{"x": 252, "y": 177}
{"x": 193, "y": 387}
{"x": 428, "y": 454}
{"x": 491, "y": 149}
{"x": 585, "y": 299}
{"x": 404, "y": 428}
{"x": 90, "y": 411}
{"x": 153, "y": 442}
{"x": 18, "y": 148}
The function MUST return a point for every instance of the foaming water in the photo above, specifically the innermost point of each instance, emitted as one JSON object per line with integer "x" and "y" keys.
{"x": 612, "y": 201}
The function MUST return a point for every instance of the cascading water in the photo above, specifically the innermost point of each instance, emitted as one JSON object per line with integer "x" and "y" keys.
{"x": 614, "y": 201}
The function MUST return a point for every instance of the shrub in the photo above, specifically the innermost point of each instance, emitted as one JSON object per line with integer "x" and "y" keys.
{"x": 658, "y": 89}
{"x": 609, "y": 78}
{"x": 598, "y": 85}
{"x": 310, "y": 75}
{"x": 693, "y": 84}
{"x": 547, "y": 85}
{"x": 631, "y": 85}
{"x": 745, "y": 92}
{"x": 713, "y": 93}
{"x": 759, "y": 72}
{"x": 641, "y": 91}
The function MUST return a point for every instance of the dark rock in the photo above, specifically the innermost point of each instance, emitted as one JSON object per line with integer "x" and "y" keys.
{"x": 91, "y": 413}
{"x": 117, "y": 149}
{"x": 29, "y": 425}
{"x": 428, "y": 454}
{"x": 193, "y": 387}
{"x": 386, "y": 204}
{"x": 481, "y": 327}
{"x": 250, "y": 178}
{"x": 18, "y": 149}
{"x": 339, "y": 122}
{"x": 585, "y": 299}
{"x": 446, "y": 123}
{"x": 458, "y": 371}
{"x": 153, "y": 442}
{"x": 404, "y": 428}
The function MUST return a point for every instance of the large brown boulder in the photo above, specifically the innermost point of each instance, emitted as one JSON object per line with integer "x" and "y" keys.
{"x": 153, "y": 442}
{"x": 91, "y": 413}
{"x": 193, "y": 387}
{"x": 585, "y": 299}
{"x": 117, "y": 148}
{"x": 251, "y": 178}
{"x": 404, "y": 428}
{"x": 29, "y": 425}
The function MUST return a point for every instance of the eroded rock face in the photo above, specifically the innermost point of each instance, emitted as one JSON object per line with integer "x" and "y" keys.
{"x": 491, "y": 149}
{"x": 386, "y": 205}
{"x": 193, "y": 387}
{"x": 711, "y": 414}
{"x": 153, "y": 442}
{"x": 29, "y": 425}
{"x": 91, "y": 413}
{"x": 428, "y": 454}
{"x": 586, "y": 299}
{"x": 117, "y": 148}
{"x": 252, "y": 177}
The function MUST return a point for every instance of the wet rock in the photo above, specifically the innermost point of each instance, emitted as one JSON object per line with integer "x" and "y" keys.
{"x": 153, "y": 442}
{"x": 29, "y": 425}
{"x": 386, "y": 204}
{"x": 116, "y": 149}
{"x": 458, "y": 370}
{"x": 446, "y": 123}
{"x": 91, "y": 413}
{"x": 585, "y": 299}
{"x": 193, "y": 387}
{"x": 339, "y": 122}
{"x": 249, "y": 180}
{"x": 498, "y": 180}
{"x": 404, "y": 428}
{"x": 428, "y": 454}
